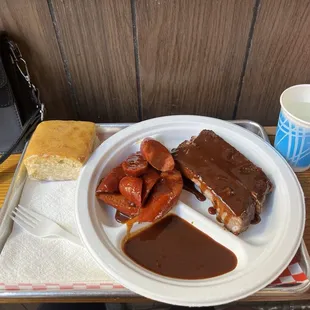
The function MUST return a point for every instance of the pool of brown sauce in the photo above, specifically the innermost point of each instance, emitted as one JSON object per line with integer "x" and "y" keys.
{"x": 174, "y": 248}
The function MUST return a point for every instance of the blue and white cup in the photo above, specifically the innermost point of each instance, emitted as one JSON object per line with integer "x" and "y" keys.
{"x": 293, "y": 131}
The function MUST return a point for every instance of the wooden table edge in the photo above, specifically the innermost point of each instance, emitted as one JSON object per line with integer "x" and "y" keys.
{"x": 140, "y": 299}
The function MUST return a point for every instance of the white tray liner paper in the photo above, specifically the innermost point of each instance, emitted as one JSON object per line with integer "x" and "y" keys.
{"x": 27, "y": 258}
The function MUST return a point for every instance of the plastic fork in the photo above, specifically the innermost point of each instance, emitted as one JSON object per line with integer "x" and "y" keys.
{"x": 39, "y": 225}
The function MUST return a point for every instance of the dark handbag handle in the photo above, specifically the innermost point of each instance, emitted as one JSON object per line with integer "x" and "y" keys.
{"x": 17, "y": 73}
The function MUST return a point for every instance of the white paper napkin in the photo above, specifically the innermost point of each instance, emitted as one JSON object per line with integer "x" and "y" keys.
{"x": 29, "y": 259}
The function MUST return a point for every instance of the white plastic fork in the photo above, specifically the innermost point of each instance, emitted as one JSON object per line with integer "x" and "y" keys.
{"x": 39, "y": 225}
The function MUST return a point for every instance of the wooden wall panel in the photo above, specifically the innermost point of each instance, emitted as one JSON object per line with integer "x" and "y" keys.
{"x": 97, "y": 41}
{"x": 30, "y": 24}
{"x": 279, "y": 58}
{"x": 191, "y": 55}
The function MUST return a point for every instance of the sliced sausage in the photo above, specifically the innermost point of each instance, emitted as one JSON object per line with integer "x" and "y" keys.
{"x": 150, "y": 178}
{"x": 109, "y": 184}
{"x": 135, "y": 165}
{"x": 120, "y": 203}
{"x": 157, "y": 155}
{"x": 131, "y": 189}
{"x": 163, "y": 198}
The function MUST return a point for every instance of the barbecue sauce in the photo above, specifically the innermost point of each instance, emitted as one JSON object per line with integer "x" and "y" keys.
{"x": 121, "y": 217}
{"x": 174, "y": 248}
{"x": 212, "y": 210}
{"x": 189, "y": 186}
{"x": 256, "y": 219}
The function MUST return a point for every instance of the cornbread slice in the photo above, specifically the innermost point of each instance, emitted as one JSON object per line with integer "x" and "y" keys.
{"x": 59, "y": 149}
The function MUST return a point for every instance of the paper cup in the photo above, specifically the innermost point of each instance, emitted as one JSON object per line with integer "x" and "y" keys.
{"x": 293, "y": 130}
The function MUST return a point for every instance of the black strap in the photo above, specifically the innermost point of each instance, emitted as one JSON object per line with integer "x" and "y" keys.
{"x": 28, "y": 128}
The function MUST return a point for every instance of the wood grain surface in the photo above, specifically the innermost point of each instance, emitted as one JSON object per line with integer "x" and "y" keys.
{"x": 140, "y": 299}
{"x": 278, "y": 58}
{"x": 7, "y": 170}
{"x": 6, "y": 174}
{"x": 30, "y": 24}
{"x": 97, "y": 42}
{"x": 221, "y": 58}
{"x": 191, "y": 55}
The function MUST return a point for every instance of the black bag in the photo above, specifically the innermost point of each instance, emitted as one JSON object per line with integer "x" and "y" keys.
{"x": 20, "y": 106}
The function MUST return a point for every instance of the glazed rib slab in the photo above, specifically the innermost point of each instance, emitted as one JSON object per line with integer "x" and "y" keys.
{"x": 235, "y": 185}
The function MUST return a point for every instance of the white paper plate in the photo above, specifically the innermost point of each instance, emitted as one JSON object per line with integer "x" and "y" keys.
{"x": 263, "y": 251}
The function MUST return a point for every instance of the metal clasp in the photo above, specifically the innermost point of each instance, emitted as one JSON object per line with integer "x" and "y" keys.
{"x": 17, "y": 58}
{"x": 19, "y": 61}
